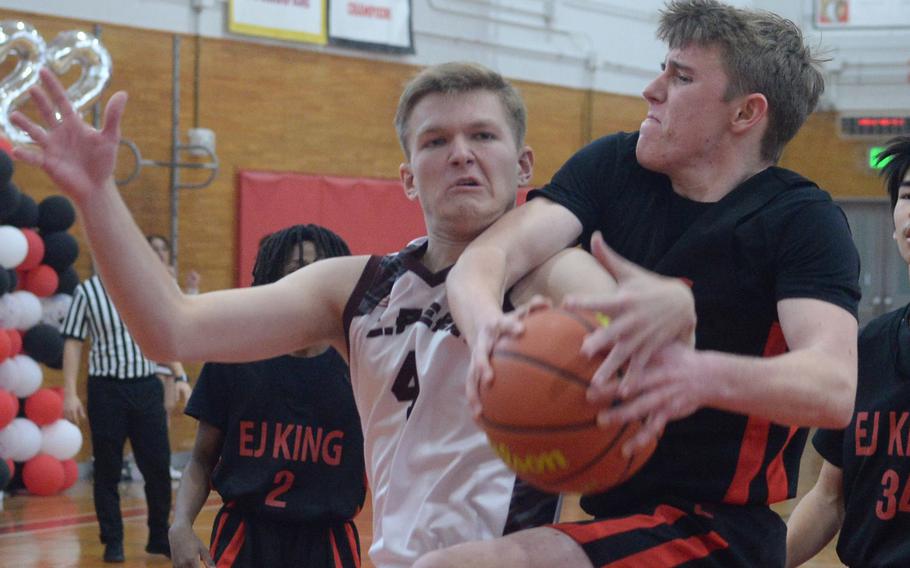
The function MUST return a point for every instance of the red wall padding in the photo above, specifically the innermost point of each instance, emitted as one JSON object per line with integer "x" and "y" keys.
{"x": 372, "y": 215}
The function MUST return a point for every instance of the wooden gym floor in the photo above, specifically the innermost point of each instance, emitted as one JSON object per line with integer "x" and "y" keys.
{"x": 61, "y": 531}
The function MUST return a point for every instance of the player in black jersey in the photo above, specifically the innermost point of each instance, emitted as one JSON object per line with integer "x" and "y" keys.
{"x": 863, "y": 489}
{"x": 714, "y": 228}
{"x": 280, "y": 441}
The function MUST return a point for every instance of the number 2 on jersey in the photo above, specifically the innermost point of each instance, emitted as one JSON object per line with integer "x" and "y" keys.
{"x": 407, "y": 386}
{"x": 284, "y": 479}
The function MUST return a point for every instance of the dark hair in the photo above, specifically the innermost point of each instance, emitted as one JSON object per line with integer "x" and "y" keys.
{"x": 275, "y": 248}
{"x": 761, "y": 53}
{"x": 896, "y": 160}
{"x": 456, "y": 77}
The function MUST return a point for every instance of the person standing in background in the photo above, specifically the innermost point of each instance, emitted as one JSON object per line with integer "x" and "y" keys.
{"x": 125, "y": 401}
{"x": 863, "y": 488}
{"x": 281, "y": 507}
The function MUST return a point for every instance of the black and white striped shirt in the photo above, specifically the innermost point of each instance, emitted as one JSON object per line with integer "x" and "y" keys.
{"x": 113, "y": 352}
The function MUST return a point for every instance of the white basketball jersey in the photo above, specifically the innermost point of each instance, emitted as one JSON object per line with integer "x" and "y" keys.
{"x": 434, "y": 478}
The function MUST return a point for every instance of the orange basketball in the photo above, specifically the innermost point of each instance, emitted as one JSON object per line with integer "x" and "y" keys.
{"x": 536, "y": 415}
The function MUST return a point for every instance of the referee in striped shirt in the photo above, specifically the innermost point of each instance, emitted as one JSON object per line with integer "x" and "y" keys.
{"x": 125, "y": 400}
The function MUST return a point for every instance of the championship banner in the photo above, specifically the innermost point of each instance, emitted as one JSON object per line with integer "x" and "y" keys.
{"x": 377, "y": 25}
{"x": 294, "y": 20}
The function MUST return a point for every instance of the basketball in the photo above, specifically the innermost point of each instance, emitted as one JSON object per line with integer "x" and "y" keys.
{"x": 537, "y": 418}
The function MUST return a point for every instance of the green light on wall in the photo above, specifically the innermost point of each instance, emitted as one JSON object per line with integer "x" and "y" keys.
{"x": 874, "y": 164}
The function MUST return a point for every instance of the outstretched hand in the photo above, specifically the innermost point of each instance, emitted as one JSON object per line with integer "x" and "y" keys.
{"x": 647, "y": 312}
{"x": 510, "y": 324}
{"x": 77, "y": 157}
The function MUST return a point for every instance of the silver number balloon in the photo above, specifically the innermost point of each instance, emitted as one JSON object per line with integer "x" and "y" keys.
{"x": 22, "y": 41}
{"x": 83, "y": 49}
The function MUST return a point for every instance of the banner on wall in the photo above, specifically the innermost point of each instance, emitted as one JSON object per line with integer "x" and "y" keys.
{"x": 294, "y": 20}
{"x": 378, "y": 25}
{"x": 847, "y": 14}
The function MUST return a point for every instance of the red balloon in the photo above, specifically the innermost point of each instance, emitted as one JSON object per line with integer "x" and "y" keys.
{"x": 15, "y": 342}
{"x": 44, "y": 407}
{"x": 6, "y": 146}
{"x": 5, "y": 345}
{"x": 35, "y": 250}
{"x": 70, "y": 473}
{"x": 9, "y": 407}
{"x": 43, "y": 475}
{"x": 12, "y": 466}
{"x": 42, "y": 281}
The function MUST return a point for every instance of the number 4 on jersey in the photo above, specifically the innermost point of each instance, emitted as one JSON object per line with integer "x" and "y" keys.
{"x": 407, "y": 386}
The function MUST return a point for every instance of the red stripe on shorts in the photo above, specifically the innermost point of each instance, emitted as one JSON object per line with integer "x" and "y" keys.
{"x": 674, "y": 552}
{"x": 335, "y": 555}
{"x": 582, "y": 534}
{"x": 352, "y": 542}
{"x": 233, "y": 548}
{"x": 221, "y": 522}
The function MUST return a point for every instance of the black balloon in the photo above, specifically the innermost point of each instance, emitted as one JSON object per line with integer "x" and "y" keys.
{"x": 6, "y": 168}
{"x": 56, "y": 213}
{"x": 9, "y": 201}
{"x": 43, "y": 343}
{"x": 60, "y": 250}
{"x": 4, "y": 282}
{"x": 13, "y": 278}
{"x": 56, "y": 363}
{"x": 26, "y": 215}
{"x": 69, "y": 279}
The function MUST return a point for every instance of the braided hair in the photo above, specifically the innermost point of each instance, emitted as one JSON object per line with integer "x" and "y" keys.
{"x": 275, "y": 248}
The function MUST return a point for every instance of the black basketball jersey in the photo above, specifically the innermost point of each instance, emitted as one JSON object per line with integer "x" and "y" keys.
{"x": 293, "y": 448}
{"x": 773, "y": 237}
{"x": 874, "y": 450}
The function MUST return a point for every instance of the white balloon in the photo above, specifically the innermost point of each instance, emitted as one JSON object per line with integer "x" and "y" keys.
{"x": 13, "y": 246}
{"x": 9, "y": 374}
{"x": 62, "y": 439}
{"x": 9, "y": 311}
{"x": 55, "y": 308}
{"x": 21, "y": 440}
{"x": 28, "y": 309}
{"x": 30, "y": 376}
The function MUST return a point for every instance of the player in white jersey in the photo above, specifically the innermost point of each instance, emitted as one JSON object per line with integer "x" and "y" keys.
{"x": 427, "y": 459}
{"x": 434, "y": 480}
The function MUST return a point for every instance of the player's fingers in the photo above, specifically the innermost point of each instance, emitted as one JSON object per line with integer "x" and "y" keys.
{"x": 56, "y": 92}
{"x": 632, "y": 409}
{"x": 30, "y": 156}
{"x": 113, "y": 112}
{"x": 603, "y": 393}
{"x": 616, "y": 265}
{"x": 611, "y": 367}
{"x": 44, "y": 104}
{"x": 37, "y": 133}
{"x": 538, "y": 302}
{"x": 606, "y": 336}
{"x": 651, "y": 430}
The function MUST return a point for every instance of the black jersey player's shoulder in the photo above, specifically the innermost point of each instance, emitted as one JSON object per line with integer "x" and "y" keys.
{"x": 791, "y": 192}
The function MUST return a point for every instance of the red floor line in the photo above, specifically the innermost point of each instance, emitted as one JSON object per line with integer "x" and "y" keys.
{"x": 60, "y": 522}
